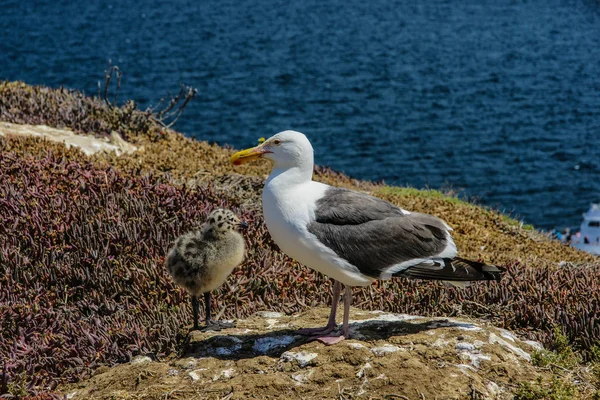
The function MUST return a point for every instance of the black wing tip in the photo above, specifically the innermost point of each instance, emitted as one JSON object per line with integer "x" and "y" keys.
{"x": 494, "y": 272}
{"x": 456, "y": 269}
{"x": 488, "y": 272}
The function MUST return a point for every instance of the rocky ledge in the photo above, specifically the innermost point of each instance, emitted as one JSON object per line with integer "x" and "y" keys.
{"x": 394, "y": 356}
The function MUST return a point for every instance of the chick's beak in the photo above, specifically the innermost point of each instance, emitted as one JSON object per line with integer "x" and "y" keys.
{"x": 247, "y": 155}
{"x": 243, "y": 225}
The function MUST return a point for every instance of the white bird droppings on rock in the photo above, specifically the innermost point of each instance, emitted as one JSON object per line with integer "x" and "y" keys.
{"x": 516, "y": 350}
{"x": 303, "y": 358}
{"x": 507, "y": 335}
{"x": 361, "y": 373}
{"x": 195, "y": 374}
{"x": 468, "y": 351}
{"x": 385, "y": 317}
{"x": 228, "y": 373}
{"x": 465, "y": 368}
{"x": 273, "y": 323}
{"x": 69, "y": 396}
{"x": 476, "y": 358}
{"x": 493, "y": 389}
{"x": 191, "y": 363}
{"x": 465, "y": 346}
{"x": 264, "y": 345}
{"x": 141, "y": 360}
{"x": 534, "y": 344}
{"x": 356, "y": 345}
{"x": 439, "y": 343}
{"x": 270, "y": 314}
{"x": 465, "y": 326}
{"x": 385, "y": 349}
{"x": 225, "y": 374}
{"x": 302, "y": 377}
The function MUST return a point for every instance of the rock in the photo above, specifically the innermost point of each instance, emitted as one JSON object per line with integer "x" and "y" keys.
{"x": 87, "y": 143}
{"x": 267, "y": 344}
{"x": 303, "y": 358}
{"x": 386, "y": 355}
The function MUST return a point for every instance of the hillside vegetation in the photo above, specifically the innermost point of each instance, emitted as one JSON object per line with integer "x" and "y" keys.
{"x": 83, "y": 240}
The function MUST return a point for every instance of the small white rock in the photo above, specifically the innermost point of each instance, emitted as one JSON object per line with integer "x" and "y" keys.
{"x": 141, "y": 360}
{"x": 303, "y": 358}
{"x": 385, "y": 349}
{"x": 173, "y": 372}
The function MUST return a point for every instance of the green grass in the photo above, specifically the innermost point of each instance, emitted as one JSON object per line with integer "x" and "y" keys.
{"x": 564, "y": 361}
{"x": 563, "y": 356}
{"x": 426, "y": 193}
{"x": 514, "y": 222}
{"x": 558, "y": 389}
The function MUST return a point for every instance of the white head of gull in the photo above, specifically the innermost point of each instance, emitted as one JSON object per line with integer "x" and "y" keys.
{"x": 352, "y": 237}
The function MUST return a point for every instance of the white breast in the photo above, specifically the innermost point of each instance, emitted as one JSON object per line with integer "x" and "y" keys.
{"x": 287, "y": 213}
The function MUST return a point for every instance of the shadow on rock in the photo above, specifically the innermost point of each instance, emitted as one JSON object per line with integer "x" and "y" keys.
{"x": 231, "y": 344}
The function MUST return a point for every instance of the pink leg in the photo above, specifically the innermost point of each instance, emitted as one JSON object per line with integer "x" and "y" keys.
{"x": 337, "y": 288}
{"x": 329, "y": 340}
{"x": 347, "y": 304}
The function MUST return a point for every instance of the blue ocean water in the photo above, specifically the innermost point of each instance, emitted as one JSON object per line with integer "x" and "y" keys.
{"x": 497, "y": 99}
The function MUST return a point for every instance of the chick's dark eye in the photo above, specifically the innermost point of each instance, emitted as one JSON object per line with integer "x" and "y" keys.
{"x": 276, "y": 142}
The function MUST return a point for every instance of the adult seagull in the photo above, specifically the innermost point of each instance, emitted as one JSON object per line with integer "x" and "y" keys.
{"x": 349, "y": 236}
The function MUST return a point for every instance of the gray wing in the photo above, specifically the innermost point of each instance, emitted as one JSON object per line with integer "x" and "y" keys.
{"x": 374, "y": 235}
{"x": 346, "y": 207}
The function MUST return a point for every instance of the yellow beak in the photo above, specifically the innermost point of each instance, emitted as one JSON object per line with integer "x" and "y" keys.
{"x": 248, "y": 155}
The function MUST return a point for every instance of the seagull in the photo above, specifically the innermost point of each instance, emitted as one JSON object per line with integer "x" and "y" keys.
{"x": 352, "y": 237}
{"x": 200, "y": 261}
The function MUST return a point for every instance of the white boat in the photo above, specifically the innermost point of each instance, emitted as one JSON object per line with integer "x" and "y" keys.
{"x": 588, "y": 237}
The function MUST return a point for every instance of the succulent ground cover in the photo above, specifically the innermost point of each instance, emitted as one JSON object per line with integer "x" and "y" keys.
{"x": 83, "y": 239}
{"x": 37, "y": 105}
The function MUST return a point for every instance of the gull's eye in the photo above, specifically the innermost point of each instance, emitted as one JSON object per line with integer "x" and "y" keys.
{"x": 276, "y": 142}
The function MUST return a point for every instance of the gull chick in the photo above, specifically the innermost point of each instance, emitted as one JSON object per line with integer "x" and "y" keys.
{"x": 200, "y": 261}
